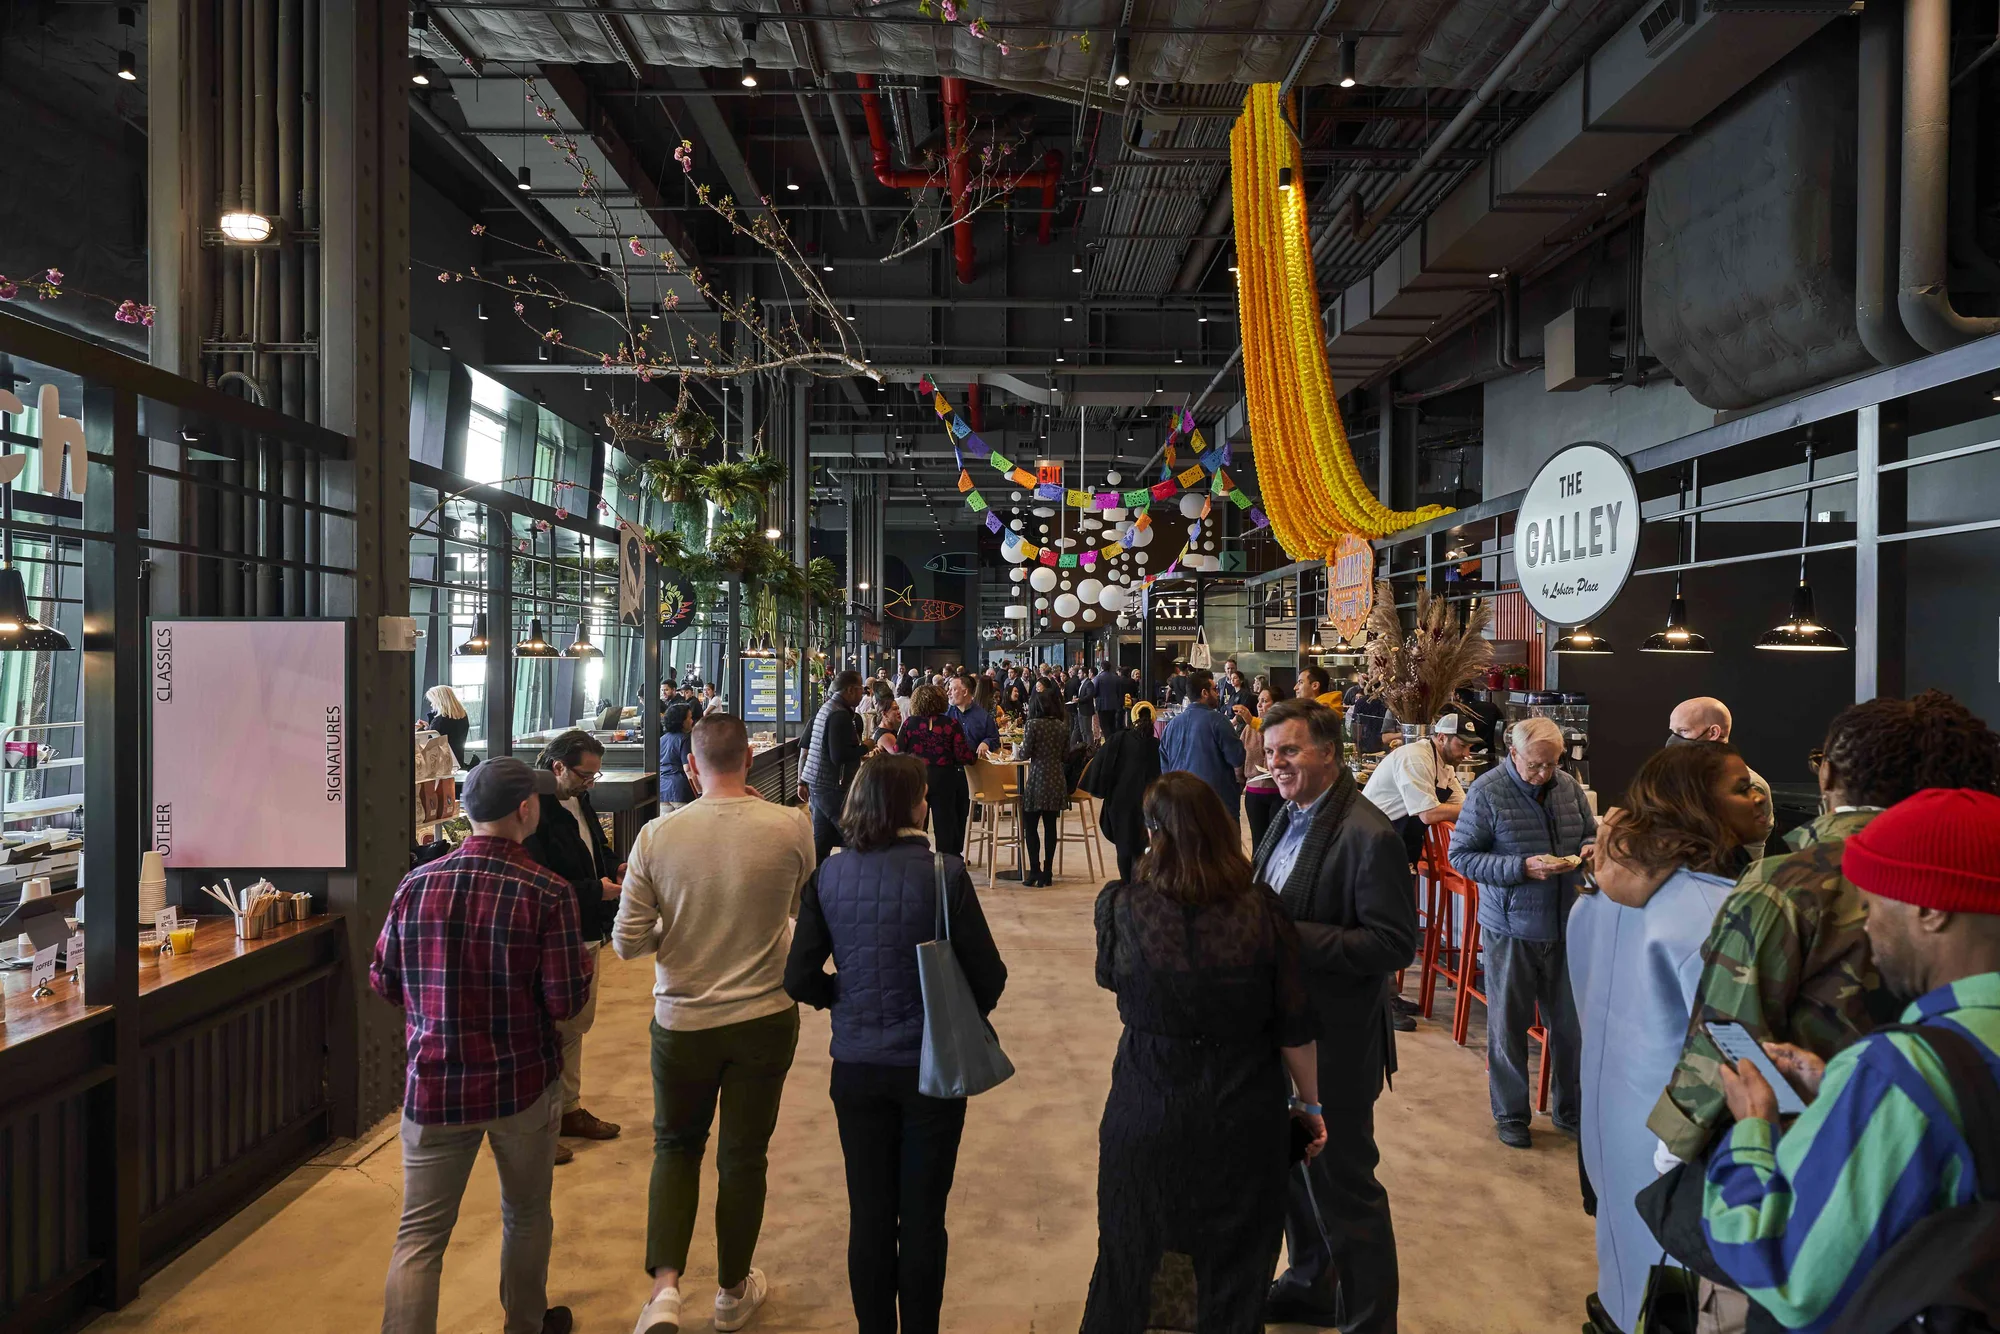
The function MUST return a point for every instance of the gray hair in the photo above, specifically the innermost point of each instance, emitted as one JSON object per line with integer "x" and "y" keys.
{"x": 1531, "y": 730}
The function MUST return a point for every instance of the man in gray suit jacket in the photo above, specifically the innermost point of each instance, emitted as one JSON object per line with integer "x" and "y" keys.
{"x": 1339, "y": 868}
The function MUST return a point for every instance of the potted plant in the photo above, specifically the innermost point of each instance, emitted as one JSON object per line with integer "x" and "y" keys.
{"x": 1417, "y": 673}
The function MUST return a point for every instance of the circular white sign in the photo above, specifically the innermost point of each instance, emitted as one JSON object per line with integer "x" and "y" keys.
{"x": 1577, "y": 534}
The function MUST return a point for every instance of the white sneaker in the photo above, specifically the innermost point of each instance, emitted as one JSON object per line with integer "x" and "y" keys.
{"x": 662, "y": 1315}
{"x": 735, "y": 1312}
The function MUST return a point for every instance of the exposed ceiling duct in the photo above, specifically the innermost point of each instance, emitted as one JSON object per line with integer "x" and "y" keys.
{"x": 1651, "y": 82}
{"x": 1422, "y": 43}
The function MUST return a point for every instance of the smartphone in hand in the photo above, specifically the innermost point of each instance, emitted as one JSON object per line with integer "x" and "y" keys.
{"x": 1738, "y": 1045}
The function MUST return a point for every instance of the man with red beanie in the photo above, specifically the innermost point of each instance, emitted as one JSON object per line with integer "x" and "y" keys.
{"x": 1800, "y": 1220}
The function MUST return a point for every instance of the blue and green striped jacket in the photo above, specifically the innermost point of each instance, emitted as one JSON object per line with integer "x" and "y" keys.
{"x": 1799, "y": 1220}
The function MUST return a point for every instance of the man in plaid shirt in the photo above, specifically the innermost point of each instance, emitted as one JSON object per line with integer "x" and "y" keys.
{"x": 482, "y": 950}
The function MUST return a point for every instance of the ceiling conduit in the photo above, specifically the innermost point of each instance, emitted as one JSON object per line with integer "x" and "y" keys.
{"x": 1636, "y": 94}
{"x": 1923, "y": 296}
{"x": 1876, "y": 214}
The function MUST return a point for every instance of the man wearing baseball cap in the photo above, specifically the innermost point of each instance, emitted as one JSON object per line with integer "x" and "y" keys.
{"x": 1799, "y": 1219}
{"x": 1417, "y": 786}
{"x": 482, "y": 952}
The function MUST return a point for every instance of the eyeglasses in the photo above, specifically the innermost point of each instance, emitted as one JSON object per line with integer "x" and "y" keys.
{"x": 585, "y": 778}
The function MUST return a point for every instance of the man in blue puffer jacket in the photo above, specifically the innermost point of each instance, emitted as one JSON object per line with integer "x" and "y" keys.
{"x": 1524, "y": 824}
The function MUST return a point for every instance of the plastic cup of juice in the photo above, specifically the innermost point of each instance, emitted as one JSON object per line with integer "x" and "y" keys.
{"x": 182, "y": 938}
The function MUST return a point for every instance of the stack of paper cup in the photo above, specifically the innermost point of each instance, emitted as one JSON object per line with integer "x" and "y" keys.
{"x": 152, "y": 887}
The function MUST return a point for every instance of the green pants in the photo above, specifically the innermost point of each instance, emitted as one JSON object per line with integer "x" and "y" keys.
{"x": 744, "y": 1065}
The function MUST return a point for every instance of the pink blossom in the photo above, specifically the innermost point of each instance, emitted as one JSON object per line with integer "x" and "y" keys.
{"x": 637, "y": 249}
{"x": 520, "y": 309}
{"x": 1004, "y": 51}
{"x": 950, "y": 11}
{"x": 56, "y": 276}
{"x": 444, "y": 277}
{"x": 479, "y": 229}
{"x": 561, "y": 513}
{"x": 8, "y": 289}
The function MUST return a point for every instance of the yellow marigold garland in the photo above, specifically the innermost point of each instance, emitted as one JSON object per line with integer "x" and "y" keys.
{"x": 1312, "y": 490}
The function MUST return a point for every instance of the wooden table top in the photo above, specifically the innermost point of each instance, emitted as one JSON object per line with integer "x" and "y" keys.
{"x": 215, "y": 944}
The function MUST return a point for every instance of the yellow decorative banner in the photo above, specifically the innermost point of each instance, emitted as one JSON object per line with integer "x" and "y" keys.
{"x": 1305, "y": 468}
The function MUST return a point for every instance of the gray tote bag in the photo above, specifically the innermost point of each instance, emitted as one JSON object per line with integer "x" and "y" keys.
{"x": 962, "y": 1054}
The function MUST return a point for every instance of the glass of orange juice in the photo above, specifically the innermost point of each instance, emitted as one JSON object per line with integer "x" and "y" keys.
{"x": 182, "y": 938}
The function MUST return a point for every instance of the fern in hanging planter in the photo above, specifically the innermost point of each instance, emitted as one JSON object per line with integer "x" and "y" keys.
{"x": 676, "y": 479}
{"x": 730, "y": 486}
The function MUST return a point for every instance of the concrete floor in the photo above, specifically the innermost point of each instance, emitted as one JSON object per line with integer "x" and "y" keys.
{"x": 1492, "y": 1240}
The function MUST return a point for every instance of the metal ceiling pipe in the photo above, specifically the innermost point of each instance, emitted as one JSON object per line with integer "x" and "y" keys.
{"x": 1507, "y": 350}
{"x": 564, "y": 243}
{"x": 1489, "y": 88}
{"x": 853, "y": 156}
{"x": 819, "y": 152}
{"x": 958, "y": 169}
{"x": 1203, "y": 245}
{"x": 878, "y": 142}
{"x": 1923, "y": 296}
{"x": 975, "y": 406}
{"x": 1876, "y": 221}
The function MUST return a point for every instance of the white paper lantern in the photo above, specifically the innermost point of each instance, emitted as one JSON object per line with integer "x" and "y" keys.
{"x": 1140, "y": 557}
{"x": 1043, "y": 578}
{"x": 1012, "y": 551}
{"x": 1017, "y": 574}
{"x": 1112, "y": 515}
{"x": 1015, "y": 524}
{"x": 1191, "y": 503}
{"x": 1067, "y": 605}
{"x": 1019, "y": 496}
{"x": 1015, "y": 613}
{"x": 1044, "y": 512}
{"x": 1069, "y": 627}
{"x": 1089, "y": 615}
{"x": 1090, "y": 589}
{"x": 1112, "y": 479}
{"x": 1145, "y": 536}
{"x": 1112, "y": 598}
{"x": 1065, "y": 542}
{"x": 1041, "y": 604}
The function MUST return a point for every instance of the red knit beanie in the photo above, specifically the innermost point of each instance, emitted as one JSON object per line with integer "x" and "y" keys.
{"x": 1939, "y": 849}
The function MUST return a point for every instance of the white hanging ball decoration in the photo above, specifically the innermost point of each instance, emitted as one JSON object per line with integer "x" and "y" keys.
{"x": 1043, "y": 578}
{"x": 1113, "y": 479}
{"x": 1015, "y": 613}
{"x": 1014, "y": 553}
{"x": 1018, "y": 496}
{"x": 1017, "y": 574}
{"x": 1067, "y": 605}
{"x": 1045, "y": 620}
{"x": 1145, "y": 537}
{"x": 1015, "y": 524}
{"x": 1139, "y": 556}
{"x": 1112, "y": 599}
{"x": 1044, "y": 512}
{"x": 1112, "y": 515}
{"x": 1041, "y": 604}
{"x": 1089, "y": 615}
{"x": 1208, "y": 544}
{"x": 1090, "y": 589}
{"x": 1065, "y": 542}
{"x": 1069, "y": 627}
{"x": 1191, "y": 503}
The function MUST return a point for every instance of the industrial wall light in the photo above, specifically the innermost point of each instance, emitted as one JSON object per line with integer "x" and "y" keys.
{"x": 245, "y": 227}
{"x": 1347, "y": 63}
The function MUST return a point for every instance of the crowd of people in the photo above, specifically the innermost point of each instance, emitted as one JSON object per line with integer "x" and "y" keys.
{"x": 1254, "y": 974}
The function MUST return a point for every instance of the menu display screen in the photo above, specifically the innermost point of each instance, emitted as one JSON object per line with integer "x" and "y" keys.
{"x": 249, "y": 742}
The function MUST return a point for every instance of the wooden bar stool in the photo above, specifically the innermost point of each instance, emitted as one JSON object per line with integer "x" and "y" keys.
{"x": 997, "y": 798}
{"x": 1084, "y": 807}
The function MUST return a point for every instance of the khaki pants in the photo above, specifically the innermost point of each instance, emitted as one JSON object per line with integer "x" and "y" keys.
{"x": 437, "y": 1160}
{"x": 572, "y": 1029}
{"x": 1723, "y": 1310}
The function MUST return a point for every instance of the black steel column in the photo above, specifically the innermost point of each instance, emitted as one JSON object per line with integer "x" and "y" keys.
{"x": 500, "y": 632}
{"x": 649, "y": 671}
{"x": 112, "y": 667}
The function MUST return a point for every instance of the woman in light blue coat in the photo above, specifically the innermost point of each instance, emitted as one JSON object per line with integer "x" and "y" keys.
{"x": 1664, "y": 865}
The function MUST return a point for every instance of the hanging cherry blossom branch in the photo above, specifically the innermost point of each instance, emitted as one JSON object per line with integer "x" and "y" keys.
{"x": 49, "y": 287}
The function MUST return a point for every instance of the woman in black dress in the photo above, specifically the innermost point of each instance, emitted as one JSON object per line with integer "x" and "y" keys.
{"x": 1118, "y": 778}
{"x": 1045, "y": 787}
{"x": 1193, "y": 1149}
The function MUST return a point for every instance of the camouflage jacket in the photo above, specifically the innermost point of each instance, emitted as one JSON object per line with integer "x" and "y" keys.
{"x": 1788, "y": 959}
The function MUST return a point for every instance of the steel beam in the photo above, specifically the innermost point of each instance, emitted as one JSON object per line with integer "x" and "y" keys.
{"x": 718, "y": 139}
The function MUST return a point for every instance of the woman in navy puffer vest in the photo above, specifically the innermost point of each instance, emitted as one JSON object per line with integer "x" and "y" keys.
{"x": 869, "y": 908}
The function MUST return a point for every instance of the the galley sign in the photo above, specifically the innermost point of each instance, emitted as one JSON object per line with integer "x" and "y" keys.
{"x": 1577, "y": 534}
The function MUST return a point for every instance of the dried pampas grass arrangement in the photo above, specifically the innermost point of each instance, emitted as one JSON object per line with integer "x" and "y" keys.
{"x": 1416, "y": 674}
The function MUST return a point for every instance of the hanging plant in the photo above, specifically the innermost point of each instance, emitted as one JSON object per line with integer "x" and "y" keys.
{"x": 676, "y": 479}
{"x": 730, "y": 486}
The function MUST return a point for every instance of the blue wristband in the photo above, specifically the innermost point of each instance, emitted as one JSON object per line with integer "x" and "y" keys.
{"x": 1309, "y": 1108}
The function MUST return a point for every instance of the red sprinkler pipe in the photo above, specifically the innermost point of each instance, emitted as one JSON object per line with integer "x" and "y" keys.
{"x": 975, "y": 406}
{"x": 878, "y": 142}
{"x": 958, "y": 160}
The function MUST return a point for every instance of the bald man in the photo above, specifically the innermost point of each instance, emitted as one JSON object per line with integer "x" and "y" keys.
{"x": 1705, "y": 718}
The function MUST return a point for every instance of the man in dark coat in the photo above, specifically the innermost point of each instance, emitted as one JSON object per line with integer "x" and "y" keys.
{"x": 1118, "y": 777}
{"x": 1107, "y": 696}
{"x": 1339, "y": 868}
{"x": 570, "y": 842}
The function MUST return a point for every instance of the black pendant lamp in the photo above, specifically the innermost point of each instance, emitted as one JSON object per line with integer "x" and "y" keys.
{"x": 537, "y": 644}
{"x": 581, "y": 647}
{"x": 20, "y": 632}
{"x": 1802, "y": 631}
{"x": 475, "y": 647}
{"x": 1582, "y": 641}
{"x": 1677, "y": 638}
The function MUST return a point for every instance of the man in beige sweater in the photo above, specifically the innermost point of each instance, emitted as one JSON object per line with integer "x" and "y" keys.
{"x": 710, "y": 892}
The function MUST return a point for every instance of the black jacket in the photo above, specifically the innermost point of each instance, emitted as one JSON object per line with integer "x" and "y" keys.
{"x": 557, "y": 845}
{"x": 453, "y": 730}
{"x": 1349, "y": 892}
{"x": 868, "y": 912}
{"x": 1119, "y": 777}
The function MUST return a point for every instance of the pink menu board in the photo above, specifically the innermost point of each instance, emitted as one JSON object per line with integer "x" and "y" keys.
{"x": 249, "y": 743}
